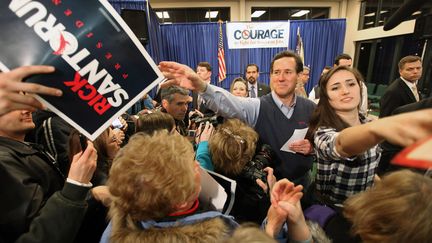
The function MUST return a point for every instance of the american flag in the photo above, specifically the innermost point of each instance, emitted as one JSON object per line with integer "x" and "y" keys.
{"x": 221, "y": 55}
{"x": 299, "y": 45}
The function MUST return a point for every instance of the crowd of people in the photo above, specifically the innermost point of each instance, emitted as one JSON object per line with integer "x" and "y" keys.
{"x": 141, "y": 179}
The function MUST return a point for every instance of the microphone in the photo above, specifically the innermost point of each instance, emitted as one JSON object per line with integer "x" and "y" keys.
{"x": 408, "y": 8}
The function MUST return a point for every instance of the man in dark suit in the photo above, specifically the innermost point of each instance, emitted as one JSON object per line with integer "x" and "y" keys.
{"x": 256, "y": 89}
{"x": 390, "y": 150}
{"x": 204, "y": 70}
{"x": 403, "y": 90}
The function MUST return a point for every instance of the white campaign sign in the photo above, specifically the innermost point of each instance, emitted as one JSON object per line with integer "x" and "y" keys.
{"x": 257, "y": 35}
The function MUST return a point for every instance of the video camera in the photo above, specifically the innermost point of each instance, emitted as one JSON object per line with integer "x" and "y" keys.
{"x": 254, "y": 169}
{"x": 214, "y": 120}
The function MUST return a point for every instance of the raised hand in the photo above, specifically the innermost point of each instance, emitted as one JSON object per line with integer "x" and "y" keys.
{"x": 181, "y": 75}
{"x": 11, "y": 85}
{"x": 83, "y": 165}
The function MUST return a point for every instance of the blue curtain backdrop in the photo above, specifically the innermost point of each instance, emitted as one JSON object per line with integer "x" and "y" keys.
{"x": 192, "y": 43}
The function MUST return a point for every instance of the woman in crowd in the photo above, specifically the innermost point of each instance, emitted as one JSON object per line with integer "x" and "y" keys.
{"x": 345, "y": 143}
{"x": 396, "y": 209}
{"x": 155, "y": 184}
{"x": 239, "y": 87}
{"x": 233, "y": 147}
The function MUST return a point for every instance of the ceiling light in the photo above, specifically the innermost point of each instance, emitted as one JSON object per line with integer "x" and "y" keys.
{"x": 416, "y": 13}
{"x": 370, "y": 14}
{"x": 300, "y": 13}
{"x": 369, "y": 23}
{"x": 163, "y": 15}
{"x": 383, "y": 11}
{"x": 211, "y": 14}
{"x": 257, "y": 13}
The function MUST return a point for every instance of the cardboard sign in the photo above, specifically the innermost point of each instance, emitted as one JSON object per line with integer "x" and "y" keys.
{"x": 101, "y": 67}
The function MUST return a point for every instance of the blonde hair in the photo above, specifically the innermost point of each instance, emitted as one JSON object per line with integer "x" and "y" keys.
{"x": 241, "y": 80}
{"x": 249, "y": 233}
{"x": 148, "y": 178}
{"x": 397, "y": 209}
{"x": 232, "y": 146}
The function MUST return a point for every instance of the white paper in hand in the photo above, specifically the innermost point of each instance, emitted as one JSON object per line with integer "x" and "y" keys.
{"x": 298, "y": 134}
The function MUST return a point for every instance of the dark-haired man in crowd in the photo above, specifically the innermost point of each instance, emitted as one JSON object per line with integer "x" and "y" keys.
{"x": 175, "y": 101}
{"x": 204, "y": 70}
{"x": 403, "y": 90}
{"x": 275, "y": 116}
{"x": 35, "y": 196}
{"x": 256, "y": 89}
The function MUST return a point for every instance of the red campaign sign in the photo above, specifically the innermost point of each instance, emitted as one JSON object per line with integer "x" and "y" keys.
{"x": 101, "y": 66}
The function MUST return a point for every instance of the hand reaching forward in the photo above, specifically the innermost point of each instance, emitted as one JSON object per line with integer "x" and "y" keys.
{"x": 181, "y": 75}
{"x": 285, "y": 198}
{"x": 11, "y": 84}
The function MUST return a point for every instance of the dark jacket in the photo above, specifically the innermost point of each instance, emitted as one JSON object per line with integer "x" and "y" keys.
{"x": 396, "y": 95}
{"x": 201, "y": 107}
{"x": 263, "y": 89}
{"x": 390, "y": 150}
{"x": 36, "y": 205}
{"x": 52, "y": 132}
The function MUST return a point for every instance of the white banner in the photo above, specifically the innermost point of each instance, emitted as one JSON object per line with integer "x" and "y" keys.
{"x": 257, "y": 35}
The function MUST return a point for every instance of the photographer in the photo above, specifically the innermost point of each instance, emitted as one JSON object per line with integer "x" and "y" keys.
{"x": 233, "y": 148}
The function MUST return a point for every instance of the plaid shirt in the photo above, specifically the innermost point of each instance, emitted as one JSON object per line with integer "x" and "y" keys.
{"x": 338, "y": 177}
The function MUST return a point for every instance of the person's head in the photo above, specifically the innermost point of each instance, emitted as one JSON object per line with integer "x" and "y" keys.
{"x": 342, "y": 89}
{"x": 155, "y": 121}
{"x": 343, "y": 60}
{"x": 396, "y": 209}
{"x": 284, "y": 73}
{"x": 304, "y": 75}
{"x": 410, "y": 68}
{"x": 16, "y": 124}
{"x": 252, "y": 73}
{"x": 239, "y": 87}
{"x": 106, "y": 144}
{"x": 325, "y": 70}
{"x": 340, "y": 93}
{"x": 232, "y": 145}
{"x": 204, "y": 70}
{"x": 153, "y": 176}
{"x": 249, "y": 232}
{"x": 175, "y": 101}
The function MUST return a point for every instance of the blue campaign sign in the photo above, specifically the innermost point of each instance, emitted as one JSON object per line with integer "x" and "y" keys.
{"x": 100, "y": 65}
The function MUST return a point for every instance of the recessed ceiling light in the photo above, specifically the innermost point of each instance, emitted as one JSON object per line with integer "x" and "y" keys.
{"x": 300, "y": 13}
{"x": 163, "y": 15}
{"x": 211, "y": 14}
{"x": 257, "y": 13}
{"x": 416, "y": 13}
{"x": 369, "y": 23}
{"x": 370, "y": 14}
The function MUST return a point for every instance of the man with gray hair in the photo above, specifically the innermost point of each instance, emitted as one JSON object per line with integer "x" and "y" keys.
{"x": 175, "y": 101}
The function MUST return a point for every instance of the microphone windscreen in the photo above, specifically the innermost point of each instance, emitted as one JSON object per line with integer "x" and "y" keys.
{"x": 408, "y": 8}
